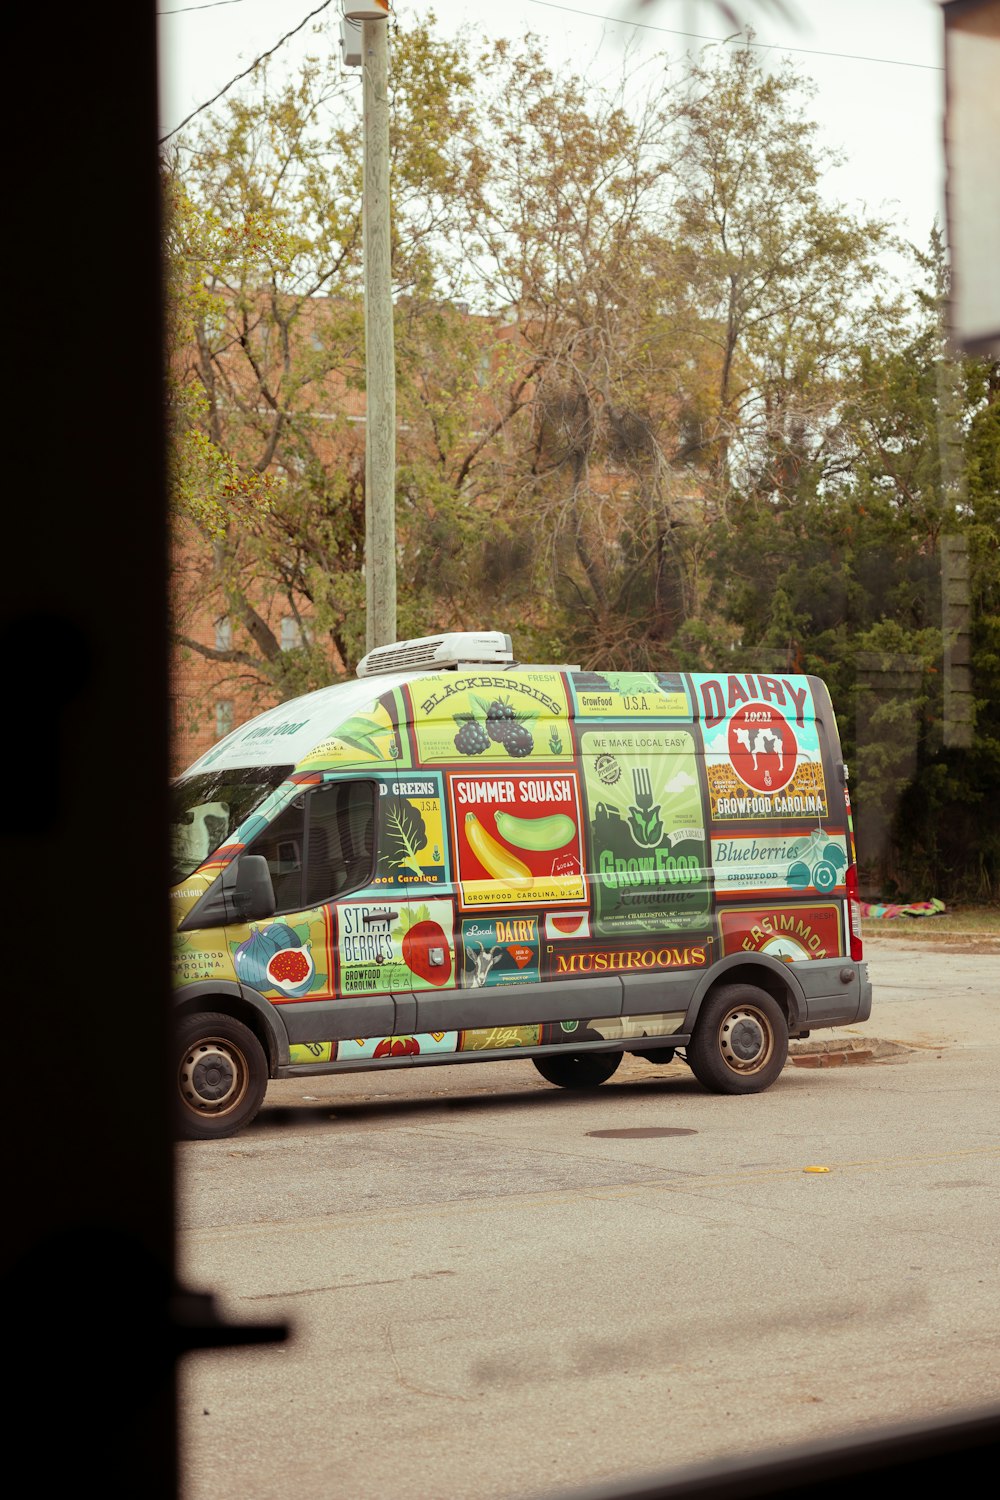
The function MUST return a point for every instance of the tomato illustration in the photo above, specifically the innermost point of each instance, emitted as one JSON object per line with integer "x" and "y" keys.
{"x": 417, "y": 943}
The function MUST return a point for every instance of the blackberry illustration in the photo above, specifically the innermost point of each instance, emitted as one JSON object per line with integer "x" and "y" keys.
{"x": 516, "y": 740}
{"x": 499, "y": 714}
{"x": 472, "y": 739}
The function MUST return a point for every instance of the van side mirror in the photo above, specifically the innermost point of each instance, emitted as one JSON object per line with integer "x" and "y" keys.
{"x": 249, "y": 893}
{"x": 242, "y": 893}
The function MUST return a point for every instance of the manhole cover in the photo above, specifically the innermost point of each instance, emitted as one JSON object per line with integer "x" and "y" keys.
{"x": 639, "y": 1134}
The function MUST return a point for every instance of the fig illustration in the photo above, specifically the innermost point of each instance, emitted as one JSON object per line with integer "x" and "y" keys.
{"x": 291, "y": 971}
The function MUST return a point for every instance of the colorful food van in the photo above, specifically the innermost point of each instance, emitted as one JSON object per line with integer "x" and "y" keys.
{"x": 457, "y": 857}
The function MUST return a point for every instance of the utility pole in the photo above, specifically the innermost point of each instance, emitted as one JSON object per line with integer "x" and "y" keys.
{"x": 380, "y": 362}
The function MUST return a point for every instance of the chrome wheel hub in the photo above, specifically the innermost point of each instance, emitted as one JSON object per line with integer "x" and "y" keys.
{"x": 209, "y": 1076}
{"x": 745, "y": 1039}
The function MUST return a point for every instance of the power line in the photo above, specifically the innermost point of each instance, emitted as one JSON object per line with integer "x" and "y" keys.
{"x": 260, "y": 59}
{"x": 766, "y": 46}
{"x": 182, "y": 10}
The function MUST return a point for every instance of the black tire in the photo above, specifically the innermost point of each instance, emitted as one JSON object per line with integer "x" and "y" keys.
{"x": 740, "y": 1042}
{"x": 221, "y": 1077}
{"x": 577, "y": 1070}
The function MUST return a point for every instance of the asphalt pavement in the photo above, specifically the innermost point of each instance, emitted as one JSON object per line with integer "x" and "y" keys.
{"x": 928, "y": 996}
{"x": 495, "y": 1289}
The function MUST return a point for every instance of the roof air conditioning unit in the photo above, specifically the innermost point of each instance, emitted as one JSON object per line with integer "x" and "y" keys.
{"x": 427, "y": 652}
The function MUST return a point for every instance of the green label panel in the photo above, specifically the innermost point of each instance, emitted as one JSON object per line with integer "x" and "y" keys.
{"x": 646, "y": 829}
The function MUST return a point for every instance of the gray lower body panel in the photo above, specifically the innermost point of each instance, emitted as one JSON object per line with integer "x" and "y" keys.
{"x": 833, "y": 992}
{"x": 410, "y": 1013}
{"x": 648, "y": 994}
{"x": 837, "y": 992}
{"x": 337, "y": 1020}
{"x": 517, "y": 1004}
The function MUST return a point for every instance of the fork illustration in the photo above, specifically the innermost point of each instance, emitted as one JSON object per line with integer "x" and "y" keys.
{"x": 644, "y": 816}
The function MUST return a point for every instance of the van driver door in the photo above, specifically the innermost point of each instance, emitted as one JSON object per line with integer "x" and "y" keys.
{"x": 320, "y": 850}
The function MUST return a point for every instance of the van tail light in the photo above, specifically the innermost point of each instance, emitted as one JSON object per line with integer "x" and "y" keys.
{"x": 851, "y": 878}
{"x": 854, "y": 911}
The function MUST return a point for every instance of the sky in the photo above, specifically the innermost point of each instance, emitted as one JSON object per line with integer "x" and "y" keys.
{"x": 877, "y": 65}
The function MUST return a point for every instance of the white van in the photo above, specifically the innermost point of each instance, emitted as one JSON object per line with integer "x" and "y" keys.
{"x": 457, "y": 856}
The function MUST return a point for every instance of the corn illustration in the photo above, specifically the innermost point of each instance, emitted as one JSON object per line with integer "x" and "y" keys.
{"x": 494, "y": 858}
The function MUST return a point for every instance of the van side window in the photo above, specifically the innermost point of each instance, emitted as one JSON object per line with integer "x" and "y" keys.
{"x": 321, "y": 846}
{"x": 339, "y": 840}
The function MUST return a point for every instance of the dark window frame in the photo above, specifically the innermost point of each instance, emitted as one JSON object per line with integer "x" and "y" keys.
{"x": 303, "y": 831}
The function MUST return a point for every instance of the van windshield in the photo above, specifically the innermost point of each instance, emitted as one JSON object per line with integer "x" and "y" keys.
{"x": 206, "y": 810}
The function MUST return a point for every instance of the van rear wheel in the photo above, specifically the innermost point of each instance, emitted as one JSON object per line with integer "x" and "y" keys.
{"x": 221, "y": 1076}
{"x": 578, "y": 1070}
{"x": 740, "y": 1042}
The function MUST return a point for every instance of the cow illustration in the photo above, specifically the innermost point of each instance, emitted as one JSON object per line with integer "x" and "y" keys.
{"x": 761, "y": 742}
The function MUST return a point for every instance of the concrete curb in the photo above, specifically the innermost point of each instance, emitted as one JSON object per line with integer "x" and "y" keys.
{"x": 839, "y": 1052}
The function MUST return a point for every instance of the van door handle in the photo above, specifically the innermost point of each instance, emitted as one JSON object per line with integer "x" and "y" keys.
{"x": 371, "y": 917}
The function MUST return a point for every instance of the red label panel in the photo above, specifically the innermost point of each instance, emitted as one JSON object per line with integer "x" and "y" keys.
{"x": 517, "y": 839}
{"x": 791, "y": 933}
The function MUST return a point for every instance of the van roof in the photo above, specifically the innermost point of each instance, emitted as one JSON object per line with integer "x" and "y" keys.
{"x": 285, "y": 735}
{"x": 349, "y": 723}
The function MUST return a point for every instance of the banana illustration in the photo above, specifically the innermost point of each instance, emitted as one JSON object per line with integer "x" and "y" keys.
{"x": 549, "y": 832}
{"x": 494, "y": 858}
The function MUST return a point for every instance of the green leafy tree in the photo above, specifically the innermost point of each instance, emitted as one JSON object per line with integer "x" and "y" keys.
{"x": 842, "y": 577}
{"x": 694, "y": 306}
{"x": 266, "y": 344}
{"x": 659, "y": 404}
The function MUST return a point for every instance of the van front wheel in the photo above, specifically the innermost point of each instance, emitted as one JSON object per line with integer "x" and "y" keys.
{"x": 577, "y": 1070}
{"x": 221, "y": 1076}
{"x": 740, "y": 1042}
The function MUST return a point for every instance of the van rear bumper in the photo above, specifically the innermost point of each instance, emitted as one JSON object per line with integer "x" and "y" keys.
{"x": 837, "y": 992}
